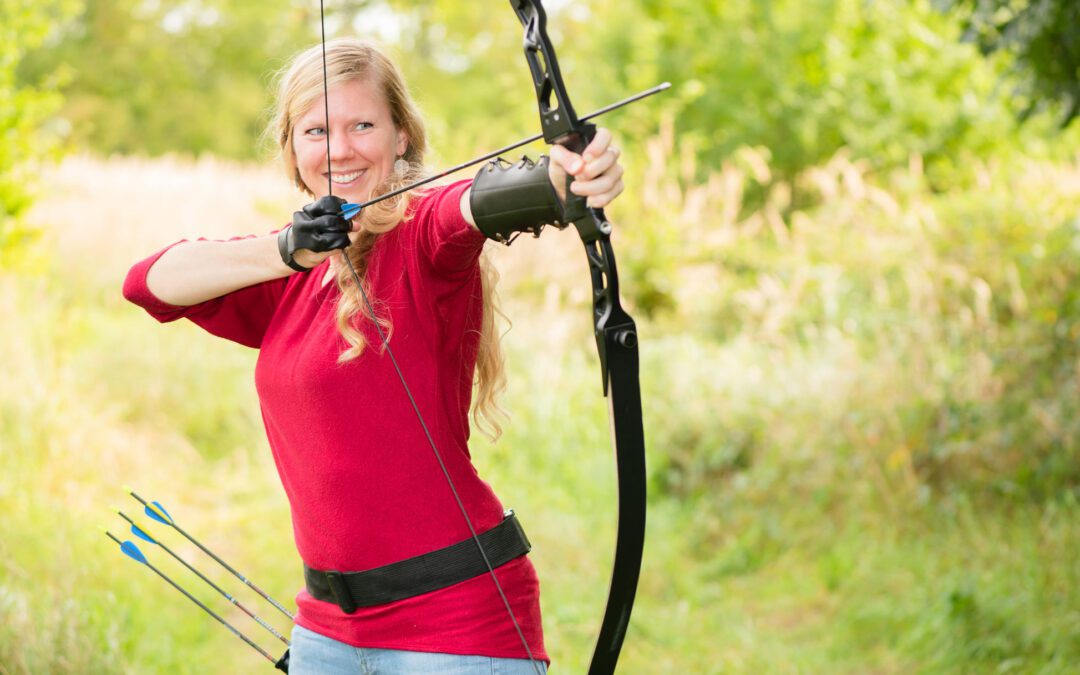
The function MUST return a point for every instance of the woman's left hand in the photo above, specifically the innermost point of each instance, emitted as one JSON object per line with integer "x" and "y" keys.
{"x": 597, "y": 172}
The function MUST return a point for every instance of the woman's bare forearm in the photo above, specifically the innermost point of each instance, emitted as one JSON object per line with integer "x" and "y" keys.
{"x": 197, "y": 271}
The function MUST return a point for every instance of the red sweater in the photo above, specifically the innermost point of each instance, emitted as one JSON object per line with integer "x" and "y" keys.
{"x": 364, "y": 485}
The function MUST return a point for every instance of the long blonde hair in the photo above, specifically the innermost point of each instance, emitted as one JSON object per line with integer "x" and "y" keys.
{"x": 300, "y": 85}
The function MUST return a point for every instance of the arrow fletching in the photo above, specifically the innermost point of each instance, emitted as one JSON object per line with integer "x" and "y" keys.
{"x": 137, "y": 529}
{"x": 350, "y": 211}
{"x": 156, "y": 511}
{"x": 132, "y": 551}
{"x": 141, "y": 534}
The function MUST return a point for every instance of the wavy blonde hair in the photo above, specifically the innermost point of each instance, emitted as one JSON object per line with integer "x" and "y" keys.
{"x": 300, "y": 85}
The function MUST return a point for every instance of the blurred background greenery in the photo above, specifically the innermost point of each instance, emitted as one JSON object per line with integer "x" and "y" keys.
{"x": 851, "y": 234}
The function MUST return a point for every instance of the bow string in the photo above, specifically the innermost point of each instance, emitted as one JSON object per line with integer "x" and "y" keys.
{"x": 615, "y": 333}
{"x": 616, "y": 340}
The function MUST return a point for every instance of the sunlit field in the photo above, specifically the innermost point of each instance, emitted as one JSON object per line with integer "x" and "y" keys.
{"x": 861, "y": 414}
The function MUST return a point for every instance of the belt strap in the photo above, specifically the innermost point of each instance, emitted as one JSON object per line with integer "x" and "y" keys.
{"x": 419, "y": 574}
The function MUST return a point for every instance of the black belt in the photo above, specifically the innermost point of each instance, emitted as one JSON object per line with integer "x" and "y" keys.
{"x": 419, "y": 574}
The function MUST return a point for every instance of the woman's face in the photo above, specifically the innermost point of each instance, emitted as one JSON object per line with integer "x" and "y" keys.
{"x": 363, "y": 142}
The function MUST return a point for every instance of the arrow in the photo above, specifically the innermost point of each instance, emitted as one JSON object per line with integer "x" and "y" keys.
{"x": 132, "y": 551}
{"x": 141, "y": 532}
{"x": 350, "y": 210}
{"x": 157, "y": 512}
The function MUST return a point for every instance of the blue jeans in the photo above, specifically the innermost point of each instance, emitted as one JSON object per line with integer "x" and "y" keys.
{"x": 314, "y": 654}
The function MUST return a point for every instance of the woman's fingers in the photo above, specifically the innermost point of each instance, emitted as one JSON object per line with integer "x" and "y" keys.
{"x": 595, "y": 167}
{"x": 597, "y": 172}
{"x": 565, "y": 161}
{"x": 601, "y": 190}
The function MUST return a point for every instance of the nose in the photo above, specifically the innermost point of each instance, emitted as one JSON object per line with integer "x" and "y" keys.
{"x": 339, "y": 146}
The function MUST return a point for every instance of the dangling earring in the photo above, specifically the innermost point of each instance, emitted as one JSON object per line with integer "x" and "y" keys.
{"x": 401, "y": 166}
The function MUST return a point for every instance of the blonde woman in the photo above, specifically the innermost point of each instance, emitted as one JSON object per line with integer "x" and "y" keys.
{"x": 393, "y": 583}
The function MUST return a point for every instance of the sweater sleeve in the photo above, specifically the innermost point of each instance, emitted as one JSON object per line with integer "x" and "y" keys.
{"x": 241, "y": 316}
{"x": 445, "y": 238}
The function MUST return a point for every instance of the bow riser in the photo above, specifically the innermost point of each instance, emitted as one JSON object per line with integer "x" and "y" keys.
{"x": 615, "y": 333}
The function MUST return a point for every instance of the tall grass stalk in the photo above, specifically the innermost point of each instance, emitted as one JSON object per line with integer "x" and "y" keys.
{"x": 859, "y": 405}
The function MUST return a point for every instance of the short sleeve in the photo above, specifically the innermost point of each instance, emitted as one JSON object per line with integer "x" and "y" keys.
{"x": 241, "y": 316}
{"x": 448, "y": 241}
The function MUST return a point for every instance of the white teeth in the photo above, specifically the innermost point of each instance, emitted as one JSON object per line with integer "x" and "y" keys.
{"x": 345, "y": 177}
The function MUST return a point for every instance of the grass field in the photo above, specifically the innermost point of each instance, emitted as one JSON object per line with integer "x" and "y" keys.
{"x": 861, "y": 427}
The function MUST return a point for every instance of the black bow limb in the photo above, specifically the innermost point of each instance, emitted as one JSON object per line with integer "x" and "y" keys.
{"x": 615, "y": 332}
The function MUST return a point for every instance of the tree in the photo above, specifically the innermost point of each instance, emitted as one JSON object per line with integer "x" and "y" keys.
{"x": 1044, "y": 37}
{"x": 23, "y": 108}
{"x": 803, "y": 78}
{"x": 178, "y": 76}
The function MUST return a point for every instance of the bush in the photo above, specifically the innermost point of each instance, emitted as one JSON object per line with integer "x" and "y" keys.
{"x": 23, "y": 108}
{"x": 927, "y": 341}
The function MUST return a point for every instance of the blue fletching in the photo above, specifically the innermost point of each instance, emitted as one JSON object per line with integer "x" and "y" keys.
{"x": 156, "y": 511}
{"x": 349, "y": 211}
{"x": 132, "y": 551}
{"x": 141, "y": 534}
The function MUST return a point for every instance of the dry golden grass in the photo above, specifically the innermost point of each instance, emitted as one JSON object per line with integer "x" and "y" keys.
{"x": 102, "y": 396}
{"x": 796, "y": 393}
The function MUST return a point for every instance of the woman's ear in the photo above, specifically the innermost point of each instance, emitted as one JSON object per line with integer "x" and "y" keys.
{"x": 402, "y": 142}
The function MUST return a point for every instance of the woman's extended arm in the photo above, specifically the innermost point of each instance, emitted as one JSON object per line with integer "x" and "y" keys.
{"x": 196, "y": 271}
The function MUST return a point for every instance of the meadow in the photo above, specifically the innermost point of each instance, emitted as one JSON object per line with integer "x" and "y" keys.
{"x": 860, "y": 408}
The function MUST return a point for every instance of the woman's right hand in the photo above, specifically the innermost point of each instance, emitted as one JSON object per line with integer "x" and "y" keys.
{"x": 318, "y": 230}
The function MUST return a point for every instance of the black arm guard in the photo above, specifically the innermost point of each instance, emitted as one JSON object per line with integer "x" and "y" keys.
{"x": 507, "y": 199}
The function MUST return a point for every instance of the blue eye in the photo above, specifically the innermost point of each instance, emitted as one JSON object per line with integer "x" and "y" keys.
{"x": 364, "y": 125}
{"x": 315, "y": 131}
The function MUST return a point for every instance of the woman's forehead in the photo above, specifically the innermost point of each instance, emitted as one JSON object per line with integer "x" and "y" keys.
{"x": 356, "y": 97}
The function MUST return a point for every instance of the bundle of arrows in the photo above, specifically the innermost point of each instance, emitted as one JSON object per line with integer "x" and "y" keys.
{"x": 156, "y": 512}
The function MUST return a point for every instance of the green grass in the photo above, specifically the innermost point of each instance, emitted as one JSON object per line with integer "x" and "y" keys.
{"x": 860, "y": 459}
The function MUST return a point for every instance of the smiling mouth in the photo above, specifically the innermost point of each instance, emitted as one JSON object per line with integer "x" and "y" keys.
{"x": 343, "y": 178}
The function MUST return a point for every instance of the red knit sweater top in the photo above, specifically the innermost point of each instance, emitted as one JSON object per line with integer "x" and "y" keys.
{"x": 364, "y": 486}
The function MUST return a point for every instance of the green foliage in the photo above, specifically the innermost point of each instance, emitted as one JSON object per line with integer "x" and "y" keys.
{"x": 165, "y": 77}
{"x": 1044, "y": 36}
{"x": 883, "y": 80}
{"x": 943, "y": 327}
{"x": 829, "y": 488}
{"x": 23, "y": 108}
{"x": 804, "y": 79}
{"x": 856, "y": 286}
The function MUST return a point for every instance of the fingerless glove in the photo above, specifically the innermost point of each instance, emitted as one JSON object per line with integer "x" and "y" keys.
{"x": 318, "y": 227}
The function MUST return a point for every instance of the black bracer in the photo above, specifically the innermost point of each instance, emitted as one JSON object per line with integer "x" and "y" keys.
{"x": 510, "y": 198}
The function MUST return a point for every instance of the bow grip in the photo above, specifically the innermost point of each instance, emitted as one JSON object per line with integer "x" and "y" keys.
{"x": 576, "y": 141}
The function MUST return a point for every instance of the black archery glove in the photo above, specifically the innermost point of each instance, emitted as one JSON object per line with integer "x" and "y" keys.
{"x": 318, "y": 227}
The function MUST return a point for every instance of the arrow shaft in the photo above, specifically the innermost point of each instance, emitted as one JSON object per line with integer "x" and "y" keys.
{"x": 202, "y": 606}
{"x": 227, "y": 596}
{"x": 221, "y": 562}
{"x": 513, "y": 146}
{"x": 214, "y": 586}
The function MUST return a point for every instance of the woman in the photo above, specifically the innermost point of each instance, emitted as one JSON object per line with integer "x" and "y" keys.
{"x": 365, "y": 489}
